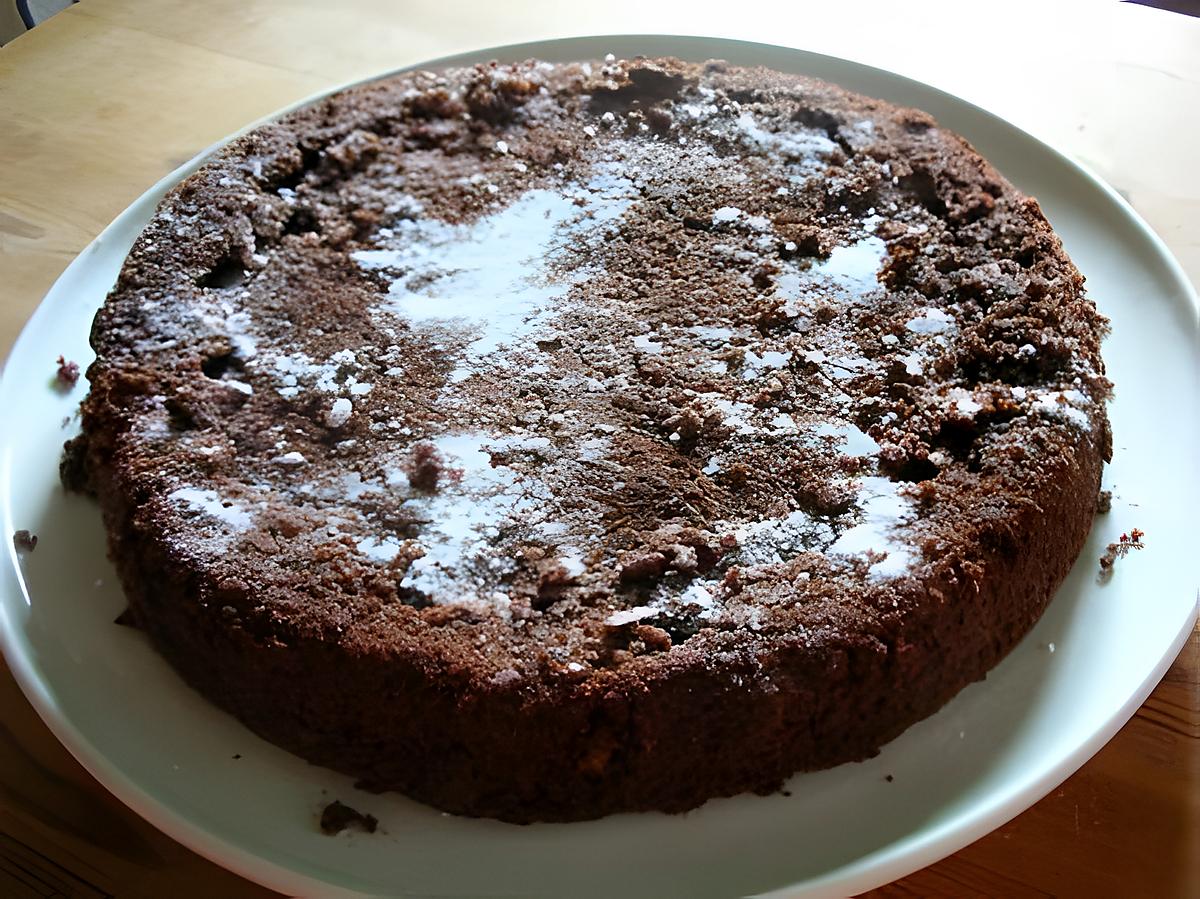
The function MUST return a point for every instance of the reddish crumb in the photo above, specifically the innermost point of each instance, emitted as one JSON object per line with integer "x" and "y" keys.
{"x": 1120, "y": 549}
{"x": 68, "y": 373}
{"x": 425, "y": 468}
{"x": 24, "y": 541}
{"x": 643, "y": 565}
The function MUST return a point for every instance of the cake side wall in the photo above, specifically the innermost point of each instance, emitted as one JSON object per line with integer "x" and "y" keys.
{"x": 407, "y": 723}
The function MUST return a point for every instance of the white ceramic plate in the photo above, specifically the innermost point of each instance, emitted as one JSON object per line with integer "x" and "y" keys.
{"x": 993, "y": 751}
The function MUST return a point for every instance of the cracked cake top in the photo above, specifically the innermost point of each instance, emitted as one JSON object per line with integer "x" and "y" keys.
{"x": 563, "y": 368}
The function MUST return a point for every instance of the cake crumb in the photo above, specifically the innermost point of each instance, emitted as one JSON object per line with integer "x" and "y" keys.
{"x": 1119, "y": 550}
{"x": 24, "y": 542}
{"x": 888, "y": 778}
{"x": 337, "y": 816}
{"x": 67, "y": 375}
{"x": 126, "y": 619}
{"x": 427, "y": 469}
{"x": 1104, "y": 502}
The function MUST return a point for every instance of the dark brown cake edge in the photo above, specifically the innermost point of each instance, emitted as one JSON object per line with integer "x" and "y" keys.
{"x": 545, "y": 757}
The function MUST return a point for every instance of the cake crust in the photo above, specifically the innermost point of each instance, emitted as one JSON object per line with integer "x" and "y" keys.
{"x": 548, "y": 441}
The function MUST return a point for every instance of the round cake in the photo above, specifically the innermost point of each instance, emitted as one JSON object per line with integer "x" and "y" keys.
{"x": 547, "y": 441}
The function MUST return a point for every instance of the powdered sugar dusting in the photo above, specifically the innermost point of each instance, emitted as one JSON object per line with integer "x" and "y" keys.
{"x": 807, "y": 149}
{"x": 209, "y": 503}
{"x": 464, "y": 516}
{"x": 931, "y": 321}
{"x": 339, "y": 413}
{"x": 853, "y": 441}
{"x": 849, "y": 274}
{"x": 1068, "y": 405}
{"x": 883, "y": 511}
{"x": 776, "y": 540}
{"x": 494, "y": 278}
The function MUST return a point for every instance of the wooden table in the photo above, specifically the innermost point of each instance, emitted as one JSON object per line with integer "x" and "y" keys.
{"x": 104, "y": 99}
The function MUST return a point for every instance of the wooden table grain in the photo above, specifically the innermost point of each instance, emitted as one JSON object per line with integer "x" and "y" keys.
{"x": 101, "y": 101}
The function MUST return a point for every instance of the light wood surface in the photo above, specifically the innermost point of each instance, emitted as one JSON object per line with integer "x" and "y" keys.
{"x": 101, "y": 101}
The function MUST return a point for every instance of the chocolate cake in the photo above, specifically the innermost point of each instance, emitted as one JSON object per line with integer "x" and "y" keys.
{"x": 547, "y": 441}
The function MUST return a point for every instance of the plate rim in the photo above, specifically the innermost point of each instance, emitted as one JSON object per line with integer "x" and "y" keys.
{"x": 885, "y": 864}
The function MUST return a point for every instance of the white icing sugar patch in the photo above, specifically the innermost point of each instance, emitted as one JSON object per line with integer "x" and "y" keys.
{"x": 698, "y": 594}
{"x": 884, "y": 510}
{"x": 629, "y": 616}
{"x": 851, "y": 271}
{"x": 710, "y": 335}
{"x": 843, "y": 367}
{"x": 882, "y": 513}
{"x": 776, "y": 540}
{"x": 963, "y": 402}
{"x": 737, "y": 415}
{"x": 914, "y": 363}
{"x": 782, "y": 423}
{"x": 931, "y": 321}
{"x": 646, "y": 344}
{"x": 494, "y": 279}
{"x": 699, "y": 597}
{"x": 467, "y": 512}
{"x": 377, "y": 550}
{"x": 856, "y": 265}
{"x": 236, "y": 325}
{"x": 210, "y": 503}
{"x": 808, "y": 149}
{"x": 297, "y": 371}
{"x": 855, "y": 441}
{"x": 755, "y": 365}
{"x": 1065, "y": 404}
{"x": 726, "y": 214}
{"x": 572, "y": 563}
{"x": 339, "y": 413}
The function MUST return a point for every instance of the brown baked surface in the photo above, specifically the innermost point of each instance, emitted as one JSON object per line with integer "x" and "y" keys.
{"x": 550, "y": 441}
